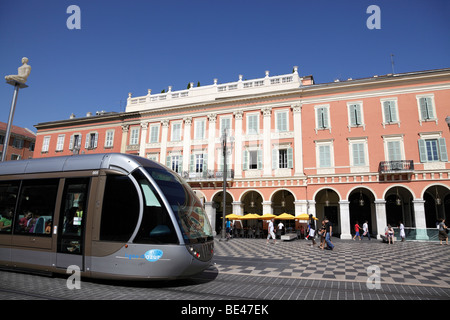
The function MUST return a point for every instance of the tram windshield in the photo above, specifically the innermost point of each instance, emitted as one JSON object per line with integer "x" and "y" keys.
{"x": 185, "y": 205}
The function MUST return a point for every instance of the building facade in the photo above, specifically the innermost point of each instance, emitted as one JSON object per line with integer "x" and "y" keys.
{"x": 370, "y": 149}
{"x": 21, "y": 142}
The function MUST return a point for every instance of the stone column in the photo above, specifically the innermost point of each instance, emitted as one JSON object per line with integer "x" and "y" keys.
{"x": 187, "y": 143}
{"x": 238, "y": 144}
{"x": 144, "y": 127}
{"x": 421, "y": 224}
{"x": 267, "y": 150}
{"x": 300, "y": 206}
{"x": 123, "y": 144}
{"x": 267, "y": 207}
{"x": 380, "y": 212}
{"x": 298, "y": 143}
{"x": 164, "y": 135}
{"x": 211, "y": 214}
{"x": 211, "y": 141}
{"x": 238, "y": 208}
{"x": 344, "y": 211}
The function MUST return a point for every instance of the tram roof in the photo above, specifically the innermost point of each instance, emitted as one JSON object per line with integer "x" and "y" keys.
{"x": 76, "y": 163}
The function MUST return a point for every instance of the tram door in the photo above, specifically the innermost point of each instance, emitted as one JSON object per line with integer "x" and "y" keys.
{"x": 71, "y": 229}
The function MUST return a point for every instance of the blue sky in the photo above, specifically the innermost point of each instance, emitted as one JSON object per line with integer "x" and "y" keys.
{"x": 135, "y": 45}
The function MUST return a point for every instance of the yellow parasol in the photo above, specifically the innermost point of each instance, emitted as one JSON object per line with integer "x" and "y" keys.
{"x": 233, "y": 216}
{"x": 304, "y": 216}
{"x": 251, "y": 216}
{"x": 267, "y": 216}
{"x": 285, "y": 216}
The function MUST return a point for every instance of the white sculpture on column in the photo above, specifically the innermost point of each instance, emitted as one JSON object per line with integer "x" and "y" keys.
{"x": 22, "y": 73}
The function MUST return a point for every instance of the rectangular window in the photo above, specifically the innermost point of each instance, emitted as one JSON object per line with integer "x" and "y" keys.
{"x": 18, "y": 143}
{"x": 176, "y": 131}
{"x": 355, "y": 115}
{"x": 432, "y": 150}
{"x": 45, "y": 144}
{"x": 36, "y": 207}
{"x": 390, "y": 111}
{"x": 252, "y": 124}
{"x": 91, "y": 140}
{"x": 175, "y": 164}
{"x": 324, "y": 156}
{"x": 134, "y": 136}
{"x": 225, "y": 124}
{"x": 199, "y": 163}
{"x": 8, "y": 197}
{"x": 426, "y": 108}
{"x": 322, "y": 119}
{"x": 199, "y": 129}
{"x": 73, "y": 209}
{"x": 252, "y": 160}
{"x": 394, "y": 151}
{"x": 154, "y": 134}
{"x": 109, "y": 140}
{"x": 60, "y": 142}
{"x": 75, "y": 142}
{"x": 358, "y": 154}
{"x": 281, "y": 121}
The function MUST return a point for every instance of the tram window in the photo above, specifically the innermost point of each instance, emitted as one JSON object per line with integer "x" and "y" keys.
{"x": 36, "y": 207}
{"x": 120, "y": 211}
{"x": 156, "y": 225}
{"x": 73, "y": 207}
{"x": 8, "y": 199}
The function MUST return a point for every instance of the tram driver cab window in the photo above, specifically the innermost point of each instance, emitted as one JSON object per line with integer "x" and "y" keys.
{"x": 156, "y": 225}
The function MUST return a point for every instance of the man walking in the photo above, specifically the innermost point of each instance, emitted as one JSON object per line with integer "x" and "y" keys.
{"x": 366, "y": 229}
{"x": 270, "y": 232}
{"x": 328, "y": 230}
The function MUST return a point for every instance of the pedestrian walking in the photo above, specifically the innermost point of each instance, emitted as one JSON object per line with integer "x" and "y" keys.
{"x": 443, "y": 232}
{"x": 322, "y": 234}
{"x": 270, "y": 232}
{"x": 228, "y": 228}
{"x": 357, "y": 227}
{"x": 402, "y": 231}
{"x": 312, "y": 230}
{"x": 390, "y": 234}
{"x": 366, "y": 229}
{"x": 329, "y": 232}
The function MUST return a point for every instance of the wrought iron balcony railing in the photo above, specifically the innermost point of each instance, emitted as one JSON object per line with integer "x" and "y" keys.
{"x": 396, "y": 166}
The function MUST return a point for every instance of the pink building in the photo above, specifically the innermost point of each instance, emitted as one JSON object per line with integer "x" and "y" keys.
{"x": 370, "y": 149}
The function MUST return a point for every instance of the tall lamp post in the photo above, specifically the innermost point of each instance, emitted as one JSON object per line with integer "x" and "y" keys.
{"x": 225, "y": 141}
{"x": 18, "y": 81}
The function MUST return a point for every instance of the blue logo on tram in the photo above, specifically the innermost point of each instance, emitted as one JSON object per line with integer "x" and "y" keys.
{"x": 153, "y": 255}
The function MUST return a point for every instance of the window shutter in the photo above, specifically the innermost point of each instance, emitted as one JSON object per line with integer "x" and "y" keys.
{"x": 245, "y": 164}
{"x": 422, "y": 151}
{"x": 443, "y": 150}
{"x": 88, "y": 138}
{"x": 96, "y": 139}
{"x": 260, "y": 159}
{"x": 290, "y": 156}
{"x": 205, "y": 162}
{"x": 353, "y": 115}
{"x": 274, "y": 159}
{"x": 192, "y": 164}
{"x": 71, "y": 142}
{"x": 168, "y": 162}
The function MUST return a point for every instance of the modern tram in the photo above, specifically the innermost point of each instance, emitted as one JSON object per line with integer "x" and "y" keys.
{"x": 114, "y": 216}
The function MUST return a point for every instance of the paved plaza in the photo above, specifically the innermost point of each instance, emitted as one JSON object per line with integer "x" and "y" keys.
{"x": 250, "y": 271}
{"x": 404, "y": 263}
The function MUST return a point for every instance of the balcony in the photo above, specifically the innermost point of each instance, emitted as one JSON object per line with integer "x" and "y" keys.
{"x": 207, "y": 176}
{"x": 397, "y": 166}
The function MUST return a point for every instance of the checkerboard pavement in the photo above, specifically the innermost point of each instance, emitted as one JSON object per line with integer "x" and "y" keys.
{"x": 407, "y": 263}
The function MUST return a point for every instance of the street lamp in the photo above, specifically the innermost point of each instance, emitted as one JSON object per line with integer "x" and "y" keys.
{"x": 448, "y": 121}
{"x": 18, "y": 81}
{"x": 225, "y": 141}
